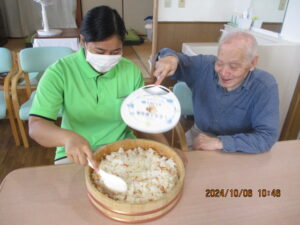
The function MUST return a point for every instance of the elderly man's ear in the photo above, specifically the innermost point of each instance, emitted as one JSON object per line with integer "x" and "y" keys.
{"x": 254, "y": 62}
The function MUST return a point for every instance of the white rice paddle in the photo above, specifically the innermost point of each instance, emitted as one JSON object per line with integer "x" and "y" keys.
{"x": 112, "y": 182}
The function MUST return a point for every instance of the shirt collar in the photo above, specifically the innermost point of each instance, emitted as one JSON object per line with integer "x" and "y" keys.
{"x": 247, "y": 82}
{"x": 88, "y": 70}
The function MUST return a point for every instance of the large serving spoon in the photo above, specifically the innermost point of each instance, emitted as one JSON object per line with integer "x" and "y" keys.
{"x": 112, "y": 182}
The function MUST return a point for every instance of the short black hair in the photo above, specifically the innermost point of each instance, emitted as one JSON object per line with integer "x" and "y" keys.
{"x": 101, "y": 23}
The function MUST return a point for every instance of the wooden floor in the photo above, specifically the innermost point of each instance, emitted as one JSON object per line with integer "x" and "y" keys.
{"x": 12, "y": 157}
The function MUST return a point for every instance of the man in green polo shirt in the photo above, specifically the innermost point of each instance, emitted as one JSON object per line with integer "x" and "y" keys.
{"x": 89, "y": 87}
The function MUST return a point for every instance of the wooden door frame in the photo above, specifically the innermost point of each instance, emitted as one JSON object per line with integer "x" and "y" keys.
{"x": 291, "y": 126}
{"x": 154, "y": 38}
{"x": 78, "y": 13}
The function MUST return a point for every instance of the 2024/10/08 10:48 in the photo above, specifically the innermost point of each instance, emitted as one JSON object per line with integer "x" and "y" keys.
{"x": 237, "y": 193}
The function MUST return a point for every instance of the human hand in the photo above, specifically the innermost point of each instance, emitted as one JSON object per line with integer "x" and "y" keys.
{"x": 205, "y": 142}
{"x": 78, "y": 149}
{"x": 164, "y": 67}
{"x": 181, "y": 154}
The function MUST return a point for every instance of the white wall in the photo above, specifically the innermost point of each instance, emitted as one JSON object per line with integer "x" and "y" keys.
{"x": 204, "y": 10}
{"x": 134, "y": 11}
{"x": 291, "y": 25}
{"x": 219, "y": 10}
{"x": 89, "y": 4}
{"x": 268, "y": 10}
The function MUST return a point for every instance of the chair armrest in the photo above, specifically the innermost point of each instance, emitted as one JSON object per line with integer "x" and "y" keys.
{"x": 14, "y": 85}
{"x": 25, "y": 77}
{"x": 181, "y": 136}
{"x": 7, "y": 91}
{"x": 14, "y": 93}
{"x": 7, "y": 83}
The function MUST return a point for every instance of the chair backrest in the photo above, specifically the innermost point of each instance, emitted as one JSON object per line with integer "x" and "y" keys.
{"x": 184, "y": 95}
{"x": 2, "y": 105}
{"x": 5, "y": 67}
{"x": 6, "y": 60}
{"x": 38, "y": 59}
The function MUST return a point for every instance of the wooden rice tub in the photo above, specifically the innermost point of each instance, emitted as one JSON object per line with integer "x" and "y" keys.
{"x": 138, "y": 212}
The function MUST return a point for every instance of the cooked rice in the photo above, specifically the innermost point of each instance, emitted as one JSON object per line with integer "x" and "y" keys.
{"x": 148, "y": 174}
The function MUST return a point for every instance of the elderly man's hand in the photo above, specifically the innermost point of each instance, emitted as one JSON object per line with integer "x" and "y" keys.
{"x": 164, "y": 67}
{"x": 205, "y": 142}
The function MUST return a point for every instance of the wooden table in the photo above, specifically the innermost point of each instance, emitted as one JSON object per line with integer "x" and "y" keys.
{"x": 68, "y": 38}
{"x": 57, "y": 194}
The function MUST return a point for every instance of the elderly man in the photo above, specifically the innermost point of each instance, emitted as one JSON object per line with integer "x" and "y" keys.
{"x": 236, "y": 106}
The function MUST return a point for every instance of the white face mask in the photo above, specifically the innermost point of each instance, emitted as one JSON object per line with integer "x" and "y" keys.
{"x": 102, "y": 63}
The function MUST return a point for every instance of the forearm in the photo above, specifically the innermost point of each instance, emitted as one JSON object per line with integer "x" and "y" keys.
{"x": 169, "y": 53}
{"x": 256, "y": 142}
{"x": 46, "y": 133}
{"x": 190, "y": 68}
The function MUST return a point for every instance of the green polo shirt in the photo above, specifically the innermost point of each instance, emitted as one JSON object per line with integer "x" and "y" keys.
{"x": 90, "y": 102}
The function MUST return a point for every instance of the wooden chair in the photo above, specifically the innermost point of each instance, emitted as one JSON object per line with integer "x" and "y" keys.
{"x": 184, "y": 95}
{"x": 8, "y": 65}
{"x": 32, "y": 60}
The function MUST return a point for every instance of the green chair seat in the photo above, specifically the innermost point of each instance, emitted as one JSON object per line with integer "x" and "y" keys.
{"x": 184, "y": 95}
{"x": 6, "y": 60}
{"x": 34, "y": 79}
{"x": 8, "y": 68}
{"x": 26, "y": 106}
{"x": 2, "y": 105}
{"x": 35, "y": 61}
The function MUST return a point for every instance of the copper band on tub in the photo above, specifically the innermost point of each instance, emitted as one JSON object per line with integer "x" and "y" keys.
{"x": 135, "y": 214}
{"x": 133, "y": 221}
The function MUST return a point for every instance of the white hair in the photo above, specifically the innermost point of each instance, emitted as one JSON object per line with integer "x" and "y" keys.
{"x": 247, "y": 39}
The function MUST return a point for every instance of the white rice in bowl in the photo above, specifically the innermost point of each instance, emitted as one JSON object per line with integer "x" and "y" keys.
{"x": 148, "y": 174}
